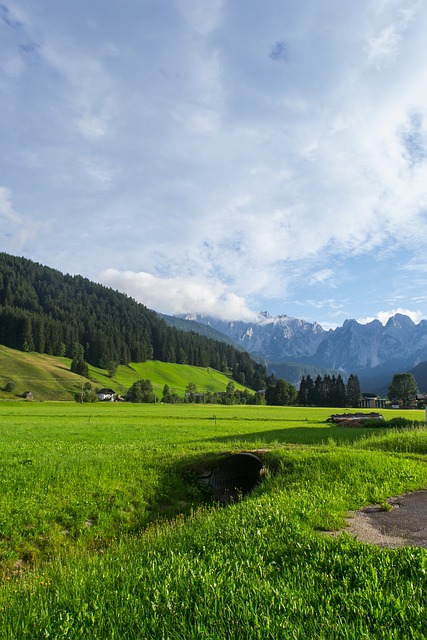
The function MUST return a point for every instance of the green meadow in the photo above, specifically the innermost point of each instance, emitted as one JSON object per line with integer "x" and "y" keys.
{"x": 107, "y": 532}
{"x": 50, "y": 378}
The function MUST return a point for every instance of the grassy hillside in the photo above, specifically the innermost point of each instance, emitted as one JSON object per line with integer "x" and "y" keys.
{"x": 50, "y": 378}
{"x": 177, "y": 376}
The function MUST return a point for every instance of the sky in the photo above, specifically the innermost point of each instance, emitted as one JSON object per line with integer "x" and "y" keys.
{"x": 222, "y": 157}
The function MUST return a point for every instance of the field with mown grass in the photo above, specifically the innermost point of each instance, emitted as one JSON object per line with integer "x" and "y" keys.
{"x": 106, "y": 531}
{"x": 50, "y": 378}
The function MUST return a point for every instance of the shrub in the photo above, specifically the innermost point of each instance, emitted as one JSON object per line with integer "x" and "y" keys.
{"x": 401, "y": 423}
{"x": 372, "y": 423}
{"x": 88, "y": 395}
{"x": 141, "y": 391}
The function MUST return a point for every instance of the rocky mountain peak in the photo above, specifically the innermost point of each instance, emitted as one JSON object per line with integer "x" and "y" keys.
{"x": 351, "y": 348}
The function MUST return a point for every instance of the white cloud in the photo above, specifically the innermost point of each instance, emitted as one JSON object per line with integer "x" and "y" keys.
{"x": 182, "y": 149}
{"x": 384, "y": 47}
{"x": 6, "y": 208}
{"x": 321, "y": 276}
{"x": 383, "y": 316}
{"x": 18, "y": 230}
{"x": 101, "y": 174}
{"x": 87, "y": 91}
{"x": 178, "y": 295}
{"x": 202, "y": 16}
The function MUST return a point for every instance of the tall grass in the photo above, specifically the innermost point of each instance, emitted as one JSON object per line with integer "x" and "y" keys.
{"x": 257, "y": 569}
{"x": 407, "y": 440}
{"x": 132, "y": 567}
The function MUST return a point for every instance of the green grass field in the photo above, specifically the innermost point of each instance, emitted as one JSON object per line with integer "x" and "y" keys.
{"x": 106, "y": 532}
{"x": 50, "y": 378}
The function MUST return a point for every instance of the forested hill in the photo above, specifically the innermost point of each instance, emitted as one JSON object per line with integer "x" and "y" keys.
{"x": 43, "y": 310}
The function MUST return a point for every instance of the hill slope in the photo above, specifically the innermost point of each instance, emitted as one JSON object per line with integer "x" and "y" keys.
{"x": 47, "y": 377}
{"x": 50, "y": 378}
{"x": 203, "y": 329}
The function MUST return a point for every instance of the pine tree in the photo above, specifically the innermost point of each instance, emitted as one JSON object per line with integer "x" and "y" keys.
{"x": 353, "y": 393}
{"x": 27, "y": 342}
{"x": 340, "y": 396}
{"x": 78, "y": 363}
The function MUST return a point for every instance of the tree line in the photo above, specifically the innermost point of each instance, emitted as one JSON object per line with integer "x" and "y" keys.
{"x": 329, "y": 391}
{"x": 45, "y": 311}
{"x": 142, "y": 391}
{"x": 326, "y": 391}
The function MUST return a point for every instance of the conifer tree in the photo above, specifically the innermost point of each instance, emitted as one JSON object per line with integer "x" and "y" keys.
{"x": 78, "y": 363}
{"x": 353, "y": 393}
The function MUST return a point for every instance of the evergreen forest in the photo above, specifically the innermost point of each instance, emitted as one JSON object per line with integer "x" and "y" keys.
{"x": 329, "y": 391}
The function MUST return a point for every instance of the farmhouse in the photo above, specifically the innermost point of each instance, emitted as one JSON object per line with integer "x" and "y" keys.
{"x": 371, "y": 401}
{"x": 420, "y": 400}
{"x": 106, "y": 395}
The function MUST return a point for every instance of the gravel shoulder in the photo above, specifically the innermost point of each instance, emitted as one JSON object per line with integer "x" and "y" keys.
{"x": 404, "y": 524}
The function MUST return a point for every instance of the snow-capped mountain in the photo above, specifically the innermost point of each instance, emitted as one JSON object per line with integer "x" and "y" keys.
{"x": 273, "y": 338}
{"x": 373, "y": 350}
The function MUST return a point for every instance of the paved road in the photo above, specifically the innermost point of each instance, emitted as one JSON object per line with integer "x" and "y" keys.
{"x": 404, "y": 524}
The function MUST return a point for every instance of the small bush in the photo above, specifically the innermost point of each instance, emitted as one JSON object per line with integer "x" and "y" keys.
{"x": 403, "y": 423}
{"x": 88, "y": 395}
{"x": 9, "y": 386}
{"x": 371, "y": 423}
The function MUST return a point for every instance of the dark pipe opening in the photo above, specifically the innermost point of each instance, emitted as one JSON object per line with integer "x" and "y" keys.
{"x": 235, "y": 476}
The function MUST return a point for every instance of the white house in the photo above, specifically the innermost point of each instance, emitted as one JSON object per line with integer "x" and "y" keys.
{"x": 106, "y": 395}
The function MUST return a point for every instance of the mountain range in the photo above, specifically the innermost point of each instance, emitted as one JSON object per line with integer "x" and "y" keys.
{"x": 46, "y": 311}
{"x": 292, "y": 347}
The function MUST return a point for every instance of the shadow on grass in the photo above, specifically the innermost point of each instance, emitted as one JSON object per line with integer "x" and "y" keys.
{"x": 300, "y": 435}
{"x": 187, "y": 483}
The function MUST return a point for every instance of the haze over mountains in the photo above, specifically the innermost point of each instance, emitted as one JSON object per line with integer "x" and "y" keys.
{"x": 373, "y": 351}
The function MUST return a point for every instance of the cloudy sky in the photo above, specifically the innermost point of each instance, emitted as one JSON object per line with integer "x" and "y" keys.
{"x": 221, "y": 156}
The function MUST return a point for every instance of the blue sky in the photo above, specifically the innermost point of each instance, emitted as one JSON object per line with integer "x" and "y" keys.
{"x": 223, "y": 157}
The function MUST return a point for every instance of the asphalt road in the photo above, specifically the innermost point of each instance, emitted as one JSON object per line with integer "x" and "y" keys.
{"x": 404, "y": 524}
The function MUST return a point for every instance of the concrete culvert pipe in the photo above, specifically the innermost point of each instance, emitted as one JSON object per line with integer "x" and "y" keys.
{"x": 236, "y": 475}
